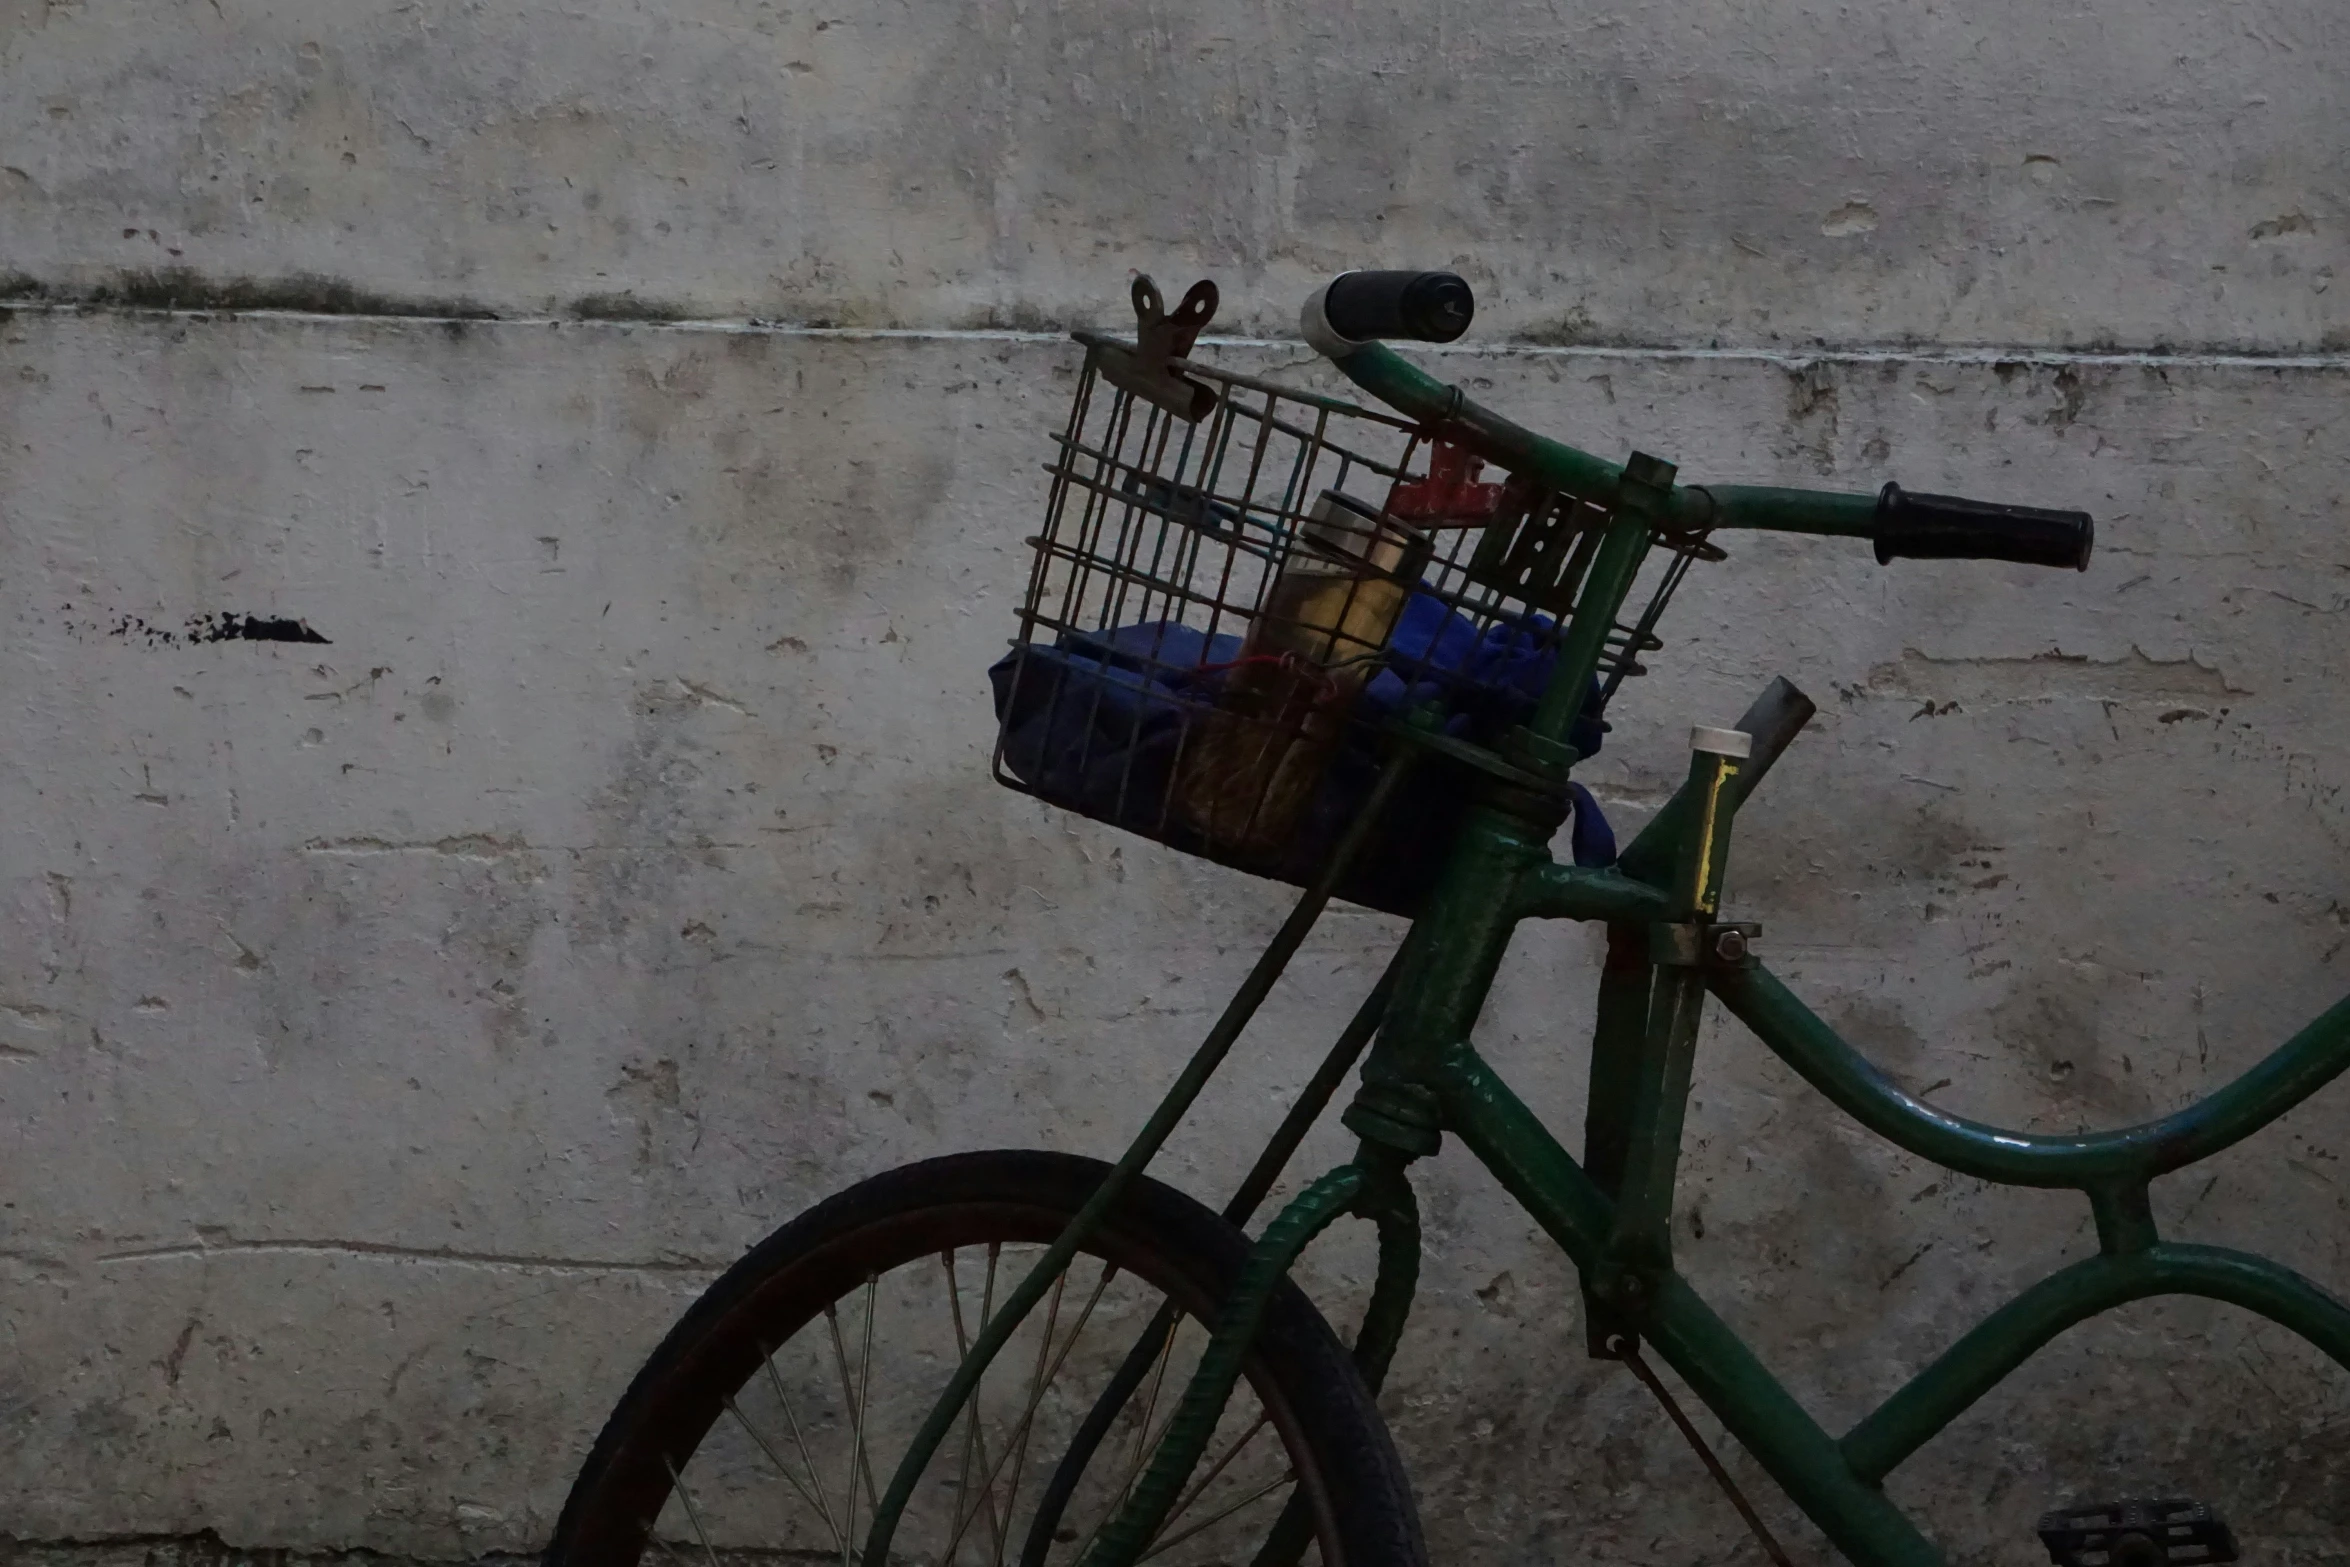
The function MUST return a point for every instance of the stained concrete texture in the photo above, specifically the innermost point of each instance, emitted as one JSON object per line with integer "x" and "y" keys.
{"x": 399, "y": 1029}
{"x": 2005, "y": 172}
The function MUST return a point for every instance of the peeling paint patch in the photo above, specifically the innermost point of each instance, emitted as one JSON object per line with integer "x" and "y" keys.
{"x": 1854, "y": 217}
{"x": 2294, "y": 222}
{"x": 1976, "y": 683}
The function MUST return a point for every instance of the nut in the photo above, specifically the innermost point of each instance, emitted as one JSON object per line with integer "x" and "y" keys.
{"x": 1730, "y": 946}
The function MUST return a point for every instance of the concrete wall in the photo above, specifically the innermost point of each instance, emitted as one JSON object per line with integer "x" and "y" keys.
{"x": 396, "y": 1031}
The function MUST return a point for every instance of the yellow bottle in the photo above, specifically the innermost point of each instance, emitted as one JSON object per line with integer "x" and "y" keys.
{"x": 1251, "y": 766}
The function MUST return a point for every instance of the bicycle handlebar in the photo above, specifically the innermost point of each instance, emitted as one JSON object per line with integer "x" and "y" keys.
{"x": 1949, "y": 527}
{"x": 1344, "y": 317}
{"x": 1425, "y": 307}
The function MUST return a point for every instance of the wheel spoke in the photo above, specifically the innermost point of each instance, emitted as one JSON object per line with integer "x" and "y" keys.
{"x": 1150, "y": 1406}
{"x": 693, "y": 1514}
{"x": 1208, "y": 1479}
{"x": 1036, "y": 1385}
{"x": 1267, "y": 1489}
{"x": 799, "y": 1440}
{"x": 1127, "y": 1489}
{"x": 756, "y": 1435}
{"x": 860, "y": 1464}
{"x": 1028, "y": 1415}
{"x": 974, "y": 1444}
{"x": 864, "y": 1401}
{"x": 1146, "y": 1441}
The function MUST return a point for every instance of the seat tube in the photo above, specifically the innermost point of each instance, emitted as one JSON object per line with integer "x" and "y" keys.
{"x": 1640, "y": 1246}
{"x": 1619, "y": 1042}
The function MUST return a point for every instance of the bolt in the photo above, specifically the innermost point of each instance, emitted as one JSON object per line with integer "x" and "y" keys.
{"x": 1730, "y": 946}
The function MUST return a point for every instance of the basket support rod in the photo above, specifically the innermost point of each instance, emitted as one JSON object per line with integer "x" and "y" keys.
{"x": 1163, "y": 1121}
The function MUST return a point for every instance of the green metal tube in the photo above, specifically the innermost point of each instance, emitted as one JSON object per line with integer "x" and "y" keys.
{"x": 1398, "y": 1214}
{"x": 2110, "y": 1160}
{"x": 1455, "y": 946}
{"x": 1253, "y": 1188}
{"x": 1237, "y": 1320}
{"x": 1622, "y": 548}
{"x": 1392, "y": 1205}
{"x": 1524, "y": 1157}
{"x": 2013, "y": 1334}
{"x": 1315, "y": 1096}
{"x": 1576, "y": 892}
{"x": 1773, "y": 720}
{"x": 1716, "y": 1364}
{"x": 1838, "y": 515}
{"x": 1416, "y": 394}
{"x": 1219, "y": 1041}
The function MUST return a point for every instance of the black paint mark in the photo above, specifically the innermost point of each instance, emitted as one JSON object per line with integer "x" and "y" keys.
{"x": 215, "y": 628}
{"x": 251, "y": 628}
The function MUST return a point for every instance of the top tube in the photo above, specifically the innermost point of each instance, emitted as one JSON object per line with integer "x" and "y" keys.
{"x": 1408, "y": 389}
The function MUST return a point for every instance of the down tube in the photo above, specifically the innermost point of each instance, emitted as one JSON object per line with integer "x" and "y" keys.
{"x": 1806, "y": 1462}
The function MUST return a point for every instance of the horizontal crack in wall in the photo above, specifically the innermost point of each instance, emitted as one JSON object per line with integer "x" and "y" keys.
{"x": 207, "y": 1549}
{"x": 181, "y": 292}
{"x": 179, "y": 289}
{"x": 380, "y": 1251}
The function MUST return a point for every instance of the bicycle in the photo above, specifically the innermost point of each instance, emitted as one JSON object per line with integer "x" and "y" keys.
{"x": 1225, "y": 646}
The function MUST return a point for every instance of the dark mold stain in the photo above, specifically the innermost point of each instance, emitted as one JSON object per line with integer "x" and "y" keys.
{"x": 622, "y": 307}
{"x": 179, "y": 288}
{"x": 215, "y": 628}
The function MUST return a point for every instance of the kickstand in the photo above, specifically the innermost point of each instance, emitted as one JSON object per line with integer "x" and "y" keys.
{"x": 1627, "y": 1350}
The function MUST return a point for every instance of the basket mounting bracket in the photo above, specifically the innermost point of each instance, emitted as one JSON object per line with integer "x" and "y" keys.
{"x": 1160, "y": 337}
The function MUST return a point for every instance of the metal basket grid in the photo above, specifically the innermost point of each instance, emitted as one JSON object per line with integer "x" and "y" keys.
{"x": 1167, "y": 538}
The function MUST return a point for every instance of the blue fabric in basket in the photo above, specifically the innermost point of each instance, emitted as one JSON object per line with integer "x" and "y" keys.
{"x": 1094, "y": 723}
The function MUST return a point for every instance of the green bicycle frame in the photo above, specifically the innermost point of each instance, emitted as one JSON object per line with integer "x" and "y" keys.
{"x": 1662, "y": 943}
{"x": 1667, "y": 951}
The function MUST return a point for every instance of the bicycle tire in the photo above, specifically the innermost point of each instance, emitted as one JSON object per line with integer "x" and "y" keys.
{"x": 1308, "y": 1390}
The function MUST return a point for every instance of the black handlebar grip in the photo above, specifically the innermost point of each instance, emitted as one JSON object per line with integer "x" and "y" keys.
{"x": 1426, "y": 307}
{"x": 1950, "y": 527}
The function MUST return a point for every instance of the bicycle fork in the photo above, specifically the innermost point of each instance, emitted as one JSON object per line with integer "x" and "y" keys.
{"x": 1371, "y": 1187}
{"x": 1396, "y": 1117}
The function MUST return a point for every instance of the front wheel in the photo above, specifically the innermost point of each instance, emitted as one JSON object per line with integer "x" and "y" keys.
{"x": 769, "y": 1419}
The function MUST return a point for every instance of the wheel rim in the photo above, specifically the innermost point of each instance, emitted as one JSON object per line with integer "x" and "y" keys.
{"x": 775, "y": 1441}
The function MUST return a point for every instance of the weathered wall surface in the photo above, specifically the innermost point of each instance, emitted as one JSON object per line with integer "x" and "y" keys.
{"x": 2000, "y": 172}
{"x": 396, "y": 1031}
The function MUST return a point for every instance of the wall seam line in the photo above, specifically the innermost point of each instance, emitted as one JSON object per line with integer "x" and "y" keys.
{"x": 1786, "y": 358}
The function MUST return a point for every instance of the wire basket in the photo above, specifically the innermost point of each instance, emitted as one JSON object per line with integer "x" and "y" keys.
{"x": 1239, "y": 585}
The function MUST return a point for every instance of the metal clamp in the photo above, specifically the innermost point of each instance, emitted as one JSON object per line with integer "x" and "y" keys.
{"x": 1704, "y": 944}
{"x": 1161, "y": 336}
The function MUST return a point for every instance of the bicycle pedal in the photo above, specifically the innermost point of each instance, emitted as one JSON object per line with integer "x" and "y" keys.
{"x": 2136, "y": 1534}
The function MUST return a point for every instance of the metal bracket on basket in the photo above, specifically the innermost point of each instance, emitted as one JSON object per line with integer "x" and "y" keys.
{"x": 1159, "y": 337}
